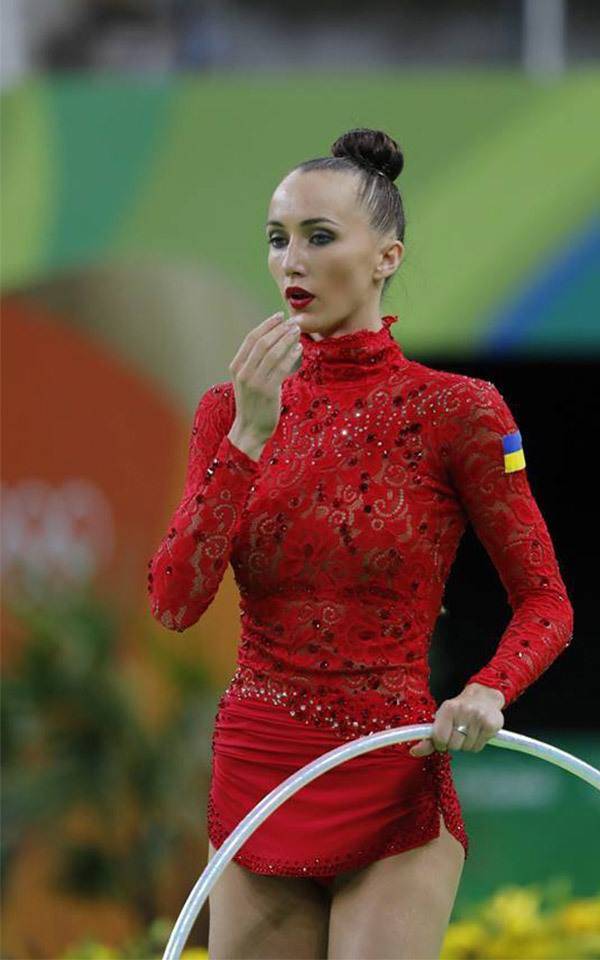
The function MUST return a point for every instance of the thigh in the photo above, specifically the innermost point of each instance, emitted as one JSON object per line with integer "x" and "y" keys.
{"x": 252, "y": 915}
{"x": 398, "y": 907}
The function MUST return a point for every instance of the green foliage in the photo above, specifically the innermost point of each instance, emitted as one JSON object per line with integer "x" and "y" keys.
{"x": 74, "y": 741}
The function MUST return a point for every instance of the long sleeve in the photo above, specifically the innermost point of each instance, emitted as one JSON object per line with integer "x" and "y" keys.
{"x": 189, "y": 564}
{"x": 487, "y": 469}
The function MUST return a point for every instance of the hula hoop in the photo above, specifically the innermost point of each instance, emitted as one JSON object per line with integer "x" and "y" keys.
{"x": 314, "y": 769}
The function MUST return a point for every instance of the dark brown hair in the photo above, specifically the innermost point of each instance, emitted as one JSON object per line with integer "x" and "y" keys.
{"x": 370, "y": 153}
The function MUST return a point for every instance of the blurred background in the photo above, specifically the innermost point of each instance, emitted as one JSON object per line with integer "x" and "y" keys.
{"x": 141, "y": 142}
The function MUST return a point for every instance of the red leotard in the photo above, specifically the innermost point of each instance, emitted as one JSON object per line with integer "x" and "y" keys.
{"x": 341, "y": 538}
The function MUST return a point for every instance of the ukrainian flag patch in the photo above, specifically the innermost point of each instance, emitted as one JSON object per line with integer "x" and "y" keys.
{"x": 514, "y": 458}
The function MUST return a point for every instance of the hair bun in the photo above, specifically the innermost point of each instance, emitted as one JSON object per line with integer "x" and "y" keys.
{"x": 370, "y": 148}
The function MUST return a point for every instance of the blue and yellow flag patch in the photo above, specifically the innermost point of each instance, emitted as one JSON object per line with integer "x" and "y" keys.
{"x": 514, "y": 457}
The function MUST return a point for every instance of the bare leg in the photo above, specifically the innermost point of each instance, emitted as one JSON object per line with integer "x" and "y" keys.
{"x": 397, "y": 908}
{"x": 254, "y": 916}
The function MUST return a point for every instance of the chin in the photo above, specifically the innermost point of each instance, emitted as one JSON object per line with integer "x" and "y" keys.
{"x": 307, "y": 317}
{"x": 308, "y": 325}
{"x": 315, "y": 325}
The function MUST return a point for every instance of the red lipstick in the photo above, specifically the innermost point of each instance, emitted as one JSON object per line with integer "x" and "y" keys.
{"x": 298, "y": 297}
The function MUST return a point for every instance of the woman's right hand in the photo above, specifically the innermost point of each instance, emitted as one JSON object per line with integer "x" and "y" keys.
{"x": 266, "y": 356}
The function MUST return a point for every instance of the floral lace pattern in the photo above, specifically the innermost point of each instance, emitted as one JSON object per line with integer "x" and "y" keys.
{"x": 188, "y": 566}
{"x": 342, "y": 536}
{"x": 508, "y": 522}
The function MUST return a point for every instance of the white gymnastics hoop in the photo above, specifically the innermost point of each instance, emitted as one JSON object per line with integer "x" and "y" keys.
{"x": 314, "y": 769}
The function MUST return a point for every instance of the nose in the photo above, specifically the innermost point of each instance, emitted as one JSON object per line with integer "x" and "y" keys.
{"x": 291, "y": 262}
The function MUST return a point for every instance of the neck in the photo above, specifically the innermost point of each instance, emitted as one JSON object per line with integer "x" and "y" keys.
{"x": 363, "y": 354}
{"x": 373, "y": 325}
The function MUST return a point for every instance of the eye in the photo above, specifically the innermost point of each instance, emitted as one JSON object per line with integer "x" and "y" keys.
{"x": 272, "y": 239}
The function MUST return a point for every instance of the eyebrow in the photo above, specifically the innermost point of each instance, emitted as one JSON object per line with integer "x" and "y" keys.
{"x": 304, "y": 223}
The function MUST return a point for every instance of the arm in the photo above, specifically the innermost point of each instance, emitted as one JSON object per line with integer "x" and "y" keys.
{"x": 487, "y": 468}
{"x": 188, "y": 566}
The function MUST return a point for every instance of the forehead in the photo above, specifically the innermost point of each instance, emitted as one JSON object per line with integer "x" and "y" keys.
{"x": 317, "y": 193}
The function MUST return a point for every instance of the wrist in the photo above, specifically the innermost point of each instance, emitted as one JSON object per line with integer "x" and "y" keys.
{"x": 246, "y": 441}
{"x": 492, "y": 691}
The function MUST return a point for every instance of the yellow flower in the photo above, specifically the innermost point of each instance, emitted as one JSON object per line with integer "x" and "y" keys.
{"x": 195, "y": 953}
{"x": 510, "y": 925}
{"x": 580, "y": 916}
{"x": 506, "y": 947}
{"x": 464, "y": 940}
{"x": 515, "y": 911}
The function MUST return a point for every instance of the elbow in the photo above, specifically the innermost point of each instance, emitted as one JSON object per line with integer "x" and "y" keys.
{"x": 559, "y": 615}
{"x": 569, "y": 620}
{"x": 175, "y": 610}
{"x": 176, "y": 617}
{"x": 179, "y": 594}
{"x": 170, "y": 598}
{"x": 549, "y": 608}
{"x": 564, "y": 613}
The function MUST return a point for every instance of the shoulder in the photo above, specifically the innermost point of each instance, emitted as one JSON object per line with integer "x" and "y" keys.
{"x": 446, "y": 380}
{"x": 458, "y": 396}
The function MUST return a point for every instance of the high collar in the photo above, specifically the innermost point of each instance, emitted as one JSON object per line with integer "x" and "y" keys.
{"x": 353, "y": 356}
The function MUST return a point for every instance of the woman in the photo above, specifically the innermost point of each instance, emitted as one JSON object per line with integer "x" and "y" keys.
{"x": 337, "y": 476}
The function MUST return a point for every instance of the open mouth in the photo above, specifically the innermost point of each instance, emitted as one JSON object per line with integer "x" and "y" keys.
{"x": 300, "y": 299}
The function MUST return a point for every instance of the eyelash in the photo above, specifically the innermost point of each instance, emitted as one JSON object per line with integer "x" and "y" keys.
{"x": 320, "y": 234}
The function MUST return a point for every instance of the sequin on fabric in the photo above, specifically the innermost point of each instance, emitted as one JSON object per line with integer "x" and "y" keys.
{"x": 422, "y": 830}
{"x": 255, "y": 747}
{"x": 342, "y": 536}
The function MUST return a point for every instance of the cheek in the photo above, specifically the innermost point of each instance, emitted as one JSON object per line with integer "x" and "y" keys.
{"x": 346, "y": 270}
{"x": 339, "y": 260}
{"x": 273, "y": 265}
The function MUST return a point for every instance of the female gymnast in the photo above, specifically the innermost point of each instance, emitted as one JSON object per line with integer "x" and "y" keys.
{"x": 338, "y": 476}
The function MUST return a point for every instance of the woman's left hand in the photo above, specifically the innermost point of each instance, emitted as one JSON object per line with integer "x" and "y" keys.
{"x": 478, "y": 709}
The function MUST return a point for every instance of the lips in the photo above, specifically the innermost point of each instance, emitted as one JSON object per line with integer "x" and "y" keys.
{"x": 298, "y": 296}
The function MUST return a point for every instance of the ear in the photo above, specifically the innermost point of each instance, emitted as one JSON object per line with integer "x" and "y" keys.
{"x": 390, "y": 259}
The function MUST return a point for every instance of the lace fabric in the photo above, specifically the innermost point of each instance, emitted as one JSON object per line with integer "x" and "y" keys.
{"x": 342, "y": 536}
{"x": 188, "y": 566}
{"x": 507, "y": 520}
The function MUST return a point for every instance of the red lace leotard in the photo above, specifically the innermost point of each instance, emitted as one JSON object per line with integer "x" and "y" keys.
{"x": 341, "y": 538}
